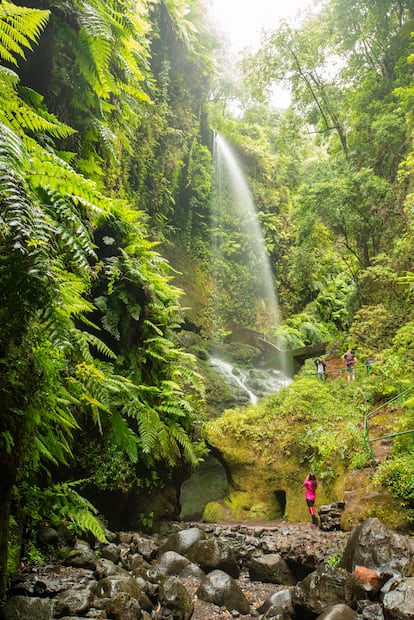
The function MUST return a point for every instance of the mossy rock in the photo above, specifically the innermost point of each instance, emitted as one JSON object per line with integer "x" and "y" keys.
{"x": 214, "y": 512}
{"x": 363, "y": 500}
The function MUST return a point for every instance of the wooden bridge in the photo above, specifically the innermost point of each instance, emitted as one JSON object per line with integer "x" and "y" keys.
{"x": 289, "y": 361}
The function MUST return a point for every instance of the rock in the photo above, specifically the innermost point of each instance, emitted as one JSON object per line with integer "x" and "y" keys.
{"x": 373, "y": 545}
{"x": 172, "y": 563}
{"x": 213, "y": 554}
{"x": 111, "y": 586}
{"x": 219, "y": 588}
{"x": 330, "y": 516}
{"x": 369, "y": 579}
{"x": 270, "y": 568}
{"x": 137, "y": 564}
{"x": 338, "y": 612}
{"x": 111, "y": 552}
{"x": 47, "y": 536}
{"x": 182, "y": 541}
{"x": 73, "y": 602}
{"x": 106, "y": 568}
{"x": 278, "y": 605}
{"x": 368, "y": 610}
{"x": 325, "y": 587}
{"x": 175, "y": 596}
{"x": 123, "y": 607}
{"x": 19, "y": 607}
{"x": 81, "y": 556}
{"x": 399, "y": 603}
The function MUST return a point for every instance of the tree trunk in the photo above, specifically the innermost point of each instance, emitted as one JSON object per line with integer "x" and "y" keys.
{"x": 7, "y": 480}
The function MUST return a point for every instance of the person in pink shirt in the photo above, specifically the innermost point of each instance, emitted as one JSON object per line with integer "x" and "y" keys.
{"x": 311, "y": 484}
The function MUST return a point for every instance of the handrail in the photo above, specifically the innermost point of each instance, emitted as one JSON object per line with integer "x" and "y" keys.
{"x": 368, "y": 442}
{"x": 340, "y": 370}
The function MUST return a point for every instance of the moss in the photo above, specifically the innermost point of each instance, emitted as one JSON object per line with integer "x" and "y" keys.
{"x": 215, "y": 512}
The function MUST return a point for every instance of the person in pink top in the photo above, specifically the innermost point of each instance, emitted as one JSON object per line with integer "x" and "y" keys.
{"x": 311, "y": 484}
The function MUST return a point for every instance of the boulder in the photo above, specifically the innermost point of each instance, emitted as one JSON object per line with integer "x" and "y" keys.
{"x": 212, "y": 554}
{"x": 373, "y": 545}
{"x": 369, "y": 579}
{"x": 111, "y": 552}
{"x": 18, "y": 607}
{"x": 325, "y": 587}
{"x": 106, "y": 568}
{"x": 109, "y": 587}
{"x": 278, "y": 605}
{"x": 338, "y": 612}
{"x": 81, "y": 556}
{"x": 122, "y": 607}
{"x": 182, "y": 541}
{"x": 174, "y": 597}
{"x": 368, "y": 610}
{"x": 172, "y": 563}
{"x": 270, "y": 568}
{"x": 221, "y": 589}
{"x": 73, "y": 602}
{"x": 399, "y": 603}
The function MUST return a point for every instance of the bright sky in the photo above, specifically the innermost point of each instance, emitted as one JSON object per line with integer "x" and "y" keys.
{"x": 243, "y": 21}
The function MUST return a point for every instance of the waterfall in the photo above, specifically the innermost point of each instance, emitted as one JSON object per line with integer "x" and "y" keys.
{"x": 244, "y": 290}
{"x": 255, "y": 382}
{"x": 237, "y": 238}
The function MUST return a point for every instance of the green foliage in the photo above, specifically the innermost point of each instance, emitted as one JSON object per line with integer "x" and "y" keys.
{"x": 397, "y": 475}
{"x": 60, "y": 504}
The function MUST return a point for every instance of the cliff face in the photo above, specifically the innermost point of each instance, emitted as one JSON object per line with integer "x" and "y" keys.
{"x": 267, "y": 451}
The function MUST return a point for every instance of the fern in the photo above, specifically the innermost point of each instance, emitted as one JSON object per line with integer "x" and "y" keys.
{"x": 19, "y": 28}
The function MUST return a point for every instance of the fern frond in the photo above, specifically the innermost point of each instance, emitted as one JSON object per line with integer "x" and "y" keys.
{"x": 19, "y": 27}
{"x": 149, "y": 425}
{"x": 124, "y": 437}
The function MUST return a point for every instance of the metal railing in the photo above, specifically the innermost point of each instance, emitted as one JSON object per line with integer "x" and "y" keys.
{"x": 368, "y": 443}
{"x": 340, "y": 372}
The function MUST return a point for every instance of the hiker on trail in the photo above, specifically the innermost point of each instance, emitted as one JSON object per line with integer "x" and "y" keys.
{"x": 311, "y": 485}
{"x": 320, "y": 368}
{"x": 350, "y": 361}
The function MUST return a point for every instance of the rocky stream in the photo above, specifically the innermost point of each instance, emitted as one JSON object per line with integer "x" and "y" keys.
{"x": 271, "y": 571}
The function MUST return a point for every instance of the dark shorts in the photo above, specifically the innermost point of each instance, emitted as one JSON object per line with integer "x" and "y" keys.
{"x": 310, "y": 502}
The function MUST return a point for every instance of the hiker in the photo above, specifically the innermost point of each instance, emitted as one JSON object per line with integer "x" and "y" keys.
{"x": 320, "y": 368}
{"x": 311, "y": 485}
{"x": 350, "y": 361}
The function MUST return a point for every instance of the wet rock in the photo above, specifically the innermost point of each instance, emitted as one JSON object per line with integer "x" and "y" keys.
{"x": 338, "y": 612}
{"x": 368, "y": 610}
{"x": 213, "y": 554}
{"x": 137, "y": 564}
{"x": 182, "y": 541}
{"x": 278, "y": 605}
{"x": 106, "y": 568}
{"x": 172, "y": 563}
{"x": 123, "y": 607}
{"x": 399, "y": 603}
{"x": 373, "y": 545}
{"x": 325, "y": 587}
{"x": 111, "y": 552}
{"x": 271, "y": 568}
{"x": 221, "y": 589}
{"x": 47, "y": 536}
{"x": 111, "y": 586}
{"x": 19, "y": 607}
{"x": 174, "y": 596}
{"x": 81, "y": 556}
{"x": 330, "y": 516}
{"x": 72, "y": 602}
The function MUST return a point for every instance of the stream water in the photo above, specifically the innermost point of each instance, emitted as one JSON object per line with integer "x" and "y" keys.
{"x": 255, "y": 382}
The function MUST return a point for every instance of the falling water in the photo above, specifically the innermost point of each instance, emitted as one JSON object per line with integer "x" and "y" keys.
{"x": 246, "y": 288}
